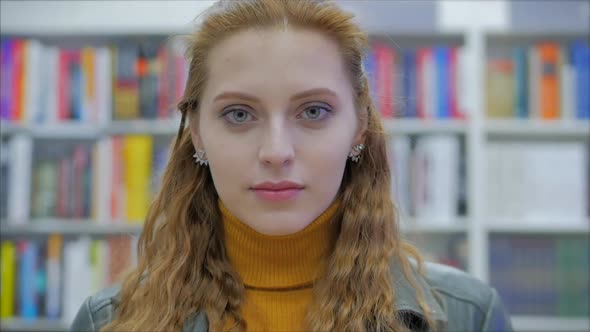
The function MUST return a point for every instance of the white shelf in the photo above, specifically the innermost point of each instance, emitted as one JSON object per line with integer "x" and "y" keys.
{"x": 515, "y": 128}
{"x": 552, "y": 226}
{"x": 431, "y": 226}
{"x": 78, "y": 131}
{"x": 152, "y": 127}
{"x": 424, "y": 126}
{"x": 540, "y": 323}
{"x": 41, "y": 325}
{"x": 65, "y": 131}
{"x": 7, "y": 128}
{"x": 169, "y": 127}
{"x": 69, "y": 227}
{"x": 98, "y": 17}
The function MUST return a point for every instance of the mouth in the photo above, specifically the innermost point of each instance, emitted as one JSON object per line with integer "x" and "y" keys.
{"x": 279, "y": 191}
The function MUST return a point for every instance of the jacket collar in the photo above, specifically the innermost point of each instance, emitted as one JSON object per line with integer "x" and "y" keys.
{"x": 406, "y": 300}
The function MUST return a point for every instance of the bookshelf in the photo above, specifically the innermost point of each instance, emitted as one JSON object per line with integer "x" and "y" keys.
{"x": 40, "y": 325}
{"x": 539, "y": 323}
{"x": 69, "y": 227}
{"x": 536, "y": 129}
{"x": 97, "y": 23}
{"x": 547, "y": 227}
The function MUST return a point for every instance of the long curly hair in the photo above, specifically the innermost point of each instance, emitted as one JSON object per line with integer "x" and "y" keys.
{"x": 182, "y": 265}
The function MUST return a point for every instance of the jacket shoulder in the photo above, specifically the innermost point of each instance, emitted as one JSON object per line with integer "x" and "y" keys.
{"x": 470, "y": 304}
{"x": 97, "y": 310}
{"x": 458, "y": 284}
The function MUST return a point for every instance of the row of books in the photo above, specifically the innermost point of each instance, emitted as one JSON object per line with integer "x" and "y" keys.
{"x": 120, "y": 174}
{"x": 416, "y": 83}
{"x": 44, "y": 84}
{"x": 62, "y": 182}
{"x": 546, "y": 81}
{"x": 428, "y": 177}
{"x": 541, "y": 275}
{"x": 541, "y": 182}
{"x": 50, "y": 278}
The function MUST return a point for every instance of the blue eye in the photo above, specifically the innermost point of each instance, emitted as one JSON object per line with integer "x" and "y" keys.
{"x": 316, "y": 112}
{"x": 237, "y": 116}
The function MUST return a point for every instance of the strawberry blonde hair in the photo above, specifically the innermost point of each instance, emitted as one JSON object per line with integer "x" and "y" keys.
{"x": 182, "y": 264}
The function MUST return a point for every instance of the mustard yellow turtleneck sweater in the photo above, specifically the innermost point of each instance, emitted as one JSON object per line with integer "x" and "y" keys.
{"x": 278, "y": 271}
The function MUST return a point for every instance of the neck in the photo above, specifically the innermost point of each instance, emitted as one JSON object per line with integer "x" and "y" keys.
{"x": 279, "y": 262}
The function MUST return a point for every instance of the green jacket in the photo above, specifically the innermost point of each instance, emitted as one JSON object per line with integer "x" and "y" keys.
{"x": 459, "y": 302}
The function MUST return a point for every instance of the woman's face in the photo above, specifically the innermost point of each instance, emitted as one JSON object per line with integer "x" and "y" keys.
{"x": 277, "y": 122}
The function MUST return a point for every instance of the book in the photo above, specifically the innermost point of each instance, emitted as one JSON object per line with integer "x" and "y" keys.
{"x": 28, "y": 252}
{"x": 519, "y": 58}
{"x": 499, "y": 88}
{"x": 137, "y": 157}
{"x": 436, "y": 177}
{"x": 4, "y": 179}
{"x": 581, "y": 62}
{"x": 384, "y": 67}
{"x": 399, "y": 161}
{"x": 409, "y": 82}
{"x": 7, "y": 283}
{"x": 549, "y": 80}
{"x": 19, "y": 182}
{"x": 6, "y": 66}
{"x": 54, "y": 276}
{"x": 125, "y": 81}
{"x": 443, "y": 82}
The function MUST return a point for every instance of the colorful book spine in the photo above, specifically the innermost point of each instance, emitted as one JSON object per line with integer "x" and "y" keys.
{"x": 126, "y": 91}
{"x": 7, "y": 282}
{"x": 384, "y": 79}
{"x": 6, "y": 66}
{"x": 581, "y": 63}
{"x": 28, "y": 252}
{"x": 164, "y": 107}
{"x": 443, "y": 107}
{"x": 519, "y": 56}
{"x": 456, "y": 112}
{"x": 137, "y": 156}
{"x": 409, "y": 82}
{"x": 88, "y": 84}
{"x": 369, "y": 64}
{"x": 548, "y": 84}
{"x": 422, "y": 83}
{"x": 54, "y": 277}
{"x": 18, "y": 54}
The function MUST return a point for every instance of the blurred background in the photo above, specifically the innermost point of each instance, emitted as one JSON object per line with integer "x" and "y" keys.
{"x": 486, "y": 103}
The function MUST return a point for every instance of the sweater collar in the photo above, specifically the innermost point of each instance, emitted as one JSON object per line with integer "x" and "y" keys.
{"x": 279, "y": 262}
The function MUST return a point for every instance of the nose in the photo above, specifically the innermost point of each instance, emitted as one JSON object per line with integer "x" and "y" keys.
{"x": 276, "y": 149}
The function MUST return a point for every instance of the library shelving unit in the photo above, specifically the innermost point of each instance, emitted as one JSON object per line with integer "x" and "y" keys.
{"x": 104, "y": 20}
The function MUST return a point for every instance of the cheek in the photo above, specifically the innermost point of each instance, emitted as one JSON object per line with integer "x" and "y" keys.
{"x": 326, "y": 157}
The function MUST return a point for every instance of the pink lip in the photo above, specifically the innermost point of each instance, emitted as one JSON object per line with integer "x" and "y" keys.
{"x": 279, "y": 191}
{"x": 277, "y": 195}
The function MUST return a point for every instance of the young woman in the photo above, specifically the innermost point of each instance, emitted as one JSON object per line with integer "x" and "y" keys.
{"x": 275, "y": 211}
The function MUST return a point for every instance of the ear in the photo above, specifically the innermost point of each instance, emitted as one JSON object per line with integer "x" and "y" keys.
{"x": 362, "y": 128}
{"x": 193, "y": 123}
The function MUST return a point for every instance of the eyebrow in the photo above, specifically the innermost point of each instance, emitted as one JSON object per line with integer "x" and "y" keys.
{"x": 300, "y": 95}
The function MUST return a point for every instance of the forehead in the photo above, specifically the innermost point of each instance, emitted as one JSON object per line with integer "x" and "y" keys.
{"x": 276, "y": 61}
